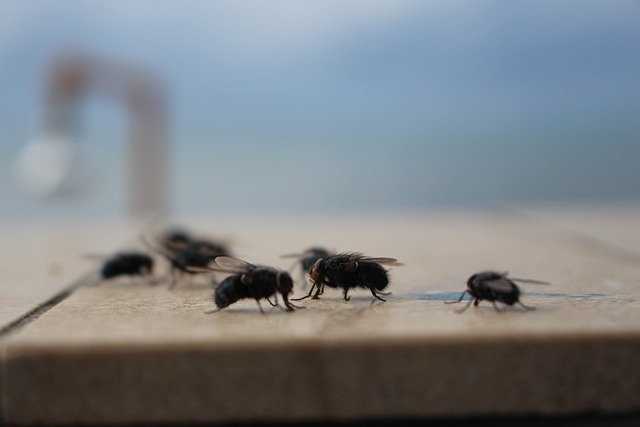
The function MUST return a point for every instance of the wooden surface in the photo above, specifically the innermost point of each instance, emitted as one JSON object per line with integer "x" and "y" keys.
{"x": 613, "y": 228}
{"x": 42, "y": 259}
{"x": 125, "y": 351}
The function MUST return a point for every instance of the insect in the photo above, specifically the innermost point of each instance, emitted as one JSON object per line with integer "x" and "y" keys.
{"x": 308, "y": 258}
{"x": 249, "y": 281}
{"x": 210, "y": 247}
{"x": 127, "y": 264}
{"x": 350, "y": 270}
{"x": 177, "y": 239}
{"x": 493, "y": 286}
{"x": 189, "y": 255}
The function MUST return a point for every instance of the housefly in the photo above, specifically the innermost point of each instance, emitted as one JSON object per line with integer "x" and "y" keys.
{"x": 176, "y": 239}
{"x": 495, "y": 287}
{"x": 126, "y": 264}
{"x": 248, "y": 281}
{"x": 350, "y": 270}
{"x": 189, "y": 255}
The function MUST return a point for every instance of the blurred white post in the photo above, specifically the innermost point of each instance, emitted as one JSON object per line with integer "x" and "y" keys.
{"x": 148, "y": 148}
{"x": 71, "y": 78}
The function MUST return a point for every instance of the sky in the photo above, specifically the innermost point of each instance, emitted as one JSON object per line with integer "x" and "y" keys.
{"x": 342, "y": 105}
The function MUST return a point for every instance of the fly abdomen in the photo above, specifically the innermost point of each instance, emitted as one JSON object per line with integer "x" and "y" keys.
{"x": 229, "y": 291}
{"x": 372, "y": 276}
{"x": 509, "y": 298}
{"x": 111, "y": 269}
{"x": 130, "y": 264}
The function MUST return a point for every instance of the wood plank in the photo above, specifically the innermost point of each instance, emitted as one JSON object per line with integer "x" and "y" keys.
{"x": 39, "y": 260}
{"x": 126, "y": 352}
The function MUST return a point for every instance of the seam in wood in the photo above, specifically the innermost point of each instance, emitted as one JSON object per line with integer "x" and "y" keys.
{"x": 44, "y": 307}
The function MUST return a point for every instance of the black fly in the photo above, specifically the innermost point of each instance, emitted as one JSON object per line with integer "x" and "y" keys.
{"x": 248, "y": 281}
{"x": 493, "y": 286}
{"x": 176, "y": 239}
{"x": 190, "y": 254}
{"x": 127, "y": 264}
{"x": 307, "y": 259}
{"x": 348, "y": 271}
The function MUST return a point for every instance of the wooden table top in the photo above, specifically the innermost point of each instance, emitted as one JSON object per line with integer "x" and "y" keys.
{"x": 125, "y": 351}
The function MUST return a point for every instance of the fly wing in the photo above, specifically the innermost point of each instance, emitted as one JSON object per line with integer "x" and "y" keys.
{"x": 501, "y": 284}
{"x": 535, "y": 282}
{"x": 356, "y": 257}
{"x": 235, "y": 264}
{"x": 349, "y": 260}
{"x": 380, "y": 260}
{"x": 200, "y": 269}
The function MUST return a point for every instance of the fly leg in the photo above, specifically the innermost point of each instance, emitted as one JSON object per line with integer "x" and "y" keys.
{"x": 377, "y": 295}
{"x": 458, "y": 300}
{"x": 289, "y": 305}
{"x": 495, "y": 306}
{"x": 319, "y": 290}
{"x": 307, "y": 295}
{"x": 463, "y": 309}
{"x": 273, "y": 304}
{"x": 260, "y": 306}
{"x": 528, "y": 307}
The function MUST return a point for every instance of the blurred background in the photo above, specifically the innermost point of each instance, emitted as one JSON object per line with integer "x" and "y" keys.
{"x": 319, "y": 105}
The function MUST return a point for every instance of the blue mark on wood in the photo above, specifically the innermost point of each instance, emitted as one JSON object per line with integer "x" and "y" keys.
{"x": 584, "y": 296}
{"x": 439, "y": 296}
{"x": 452, "y": 296}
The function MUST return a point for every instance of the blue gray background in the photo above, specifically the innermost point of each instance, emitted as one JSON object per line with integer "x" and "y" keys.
{"x": 345, "y": 105}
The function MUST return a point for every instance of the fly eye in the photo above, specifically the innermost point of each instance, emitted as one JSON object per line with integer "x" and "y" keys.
{"x": 315, "y": 270}
{"x": 284, "y": 282}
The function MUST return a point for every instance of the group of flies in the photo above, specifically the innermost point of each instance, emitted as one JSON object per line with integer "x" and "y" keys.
{"x": 188, "y": 255}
